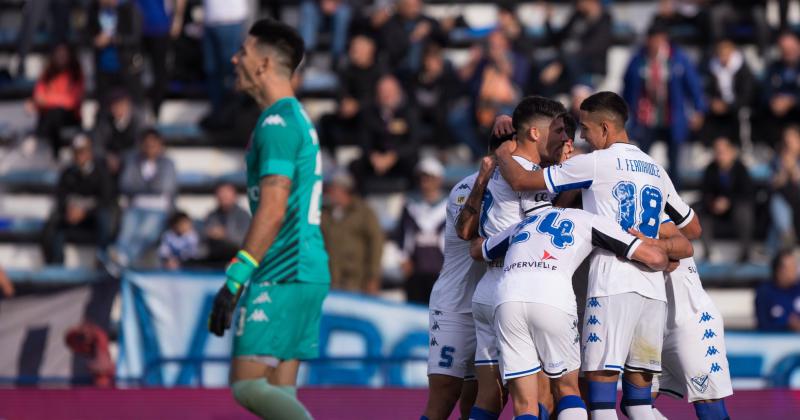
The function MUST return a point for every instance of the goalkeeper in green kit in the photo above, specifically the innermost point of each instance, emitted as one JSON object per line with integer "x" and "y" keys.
{"x": 283, "y": 257}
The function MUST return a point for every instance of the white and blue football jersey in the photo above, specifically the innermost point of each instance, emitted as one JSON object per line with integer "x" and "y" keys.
{"x": 628, "y": 186}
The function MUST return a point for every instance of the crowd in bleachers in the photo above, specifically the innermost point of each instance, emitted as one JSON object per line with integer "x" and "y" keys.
{"x": 408, "y": 92}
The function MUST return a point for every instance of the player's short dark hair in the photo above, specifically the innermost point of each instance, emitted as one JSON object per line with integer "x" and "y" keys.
{"x": 608, "y": 102}
{"x": 570, "y": 125}
{"x": 177, "y": 217}
{"x": 282, "y": 38}
{"x": 534, "y": 107}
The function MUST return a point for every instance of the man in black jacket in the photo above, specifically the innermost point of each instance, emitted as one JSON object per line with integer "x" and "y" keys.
{"x": 727, "y": 197}
{"x": 84, "y": 203}
{"x": 730, "y": 88}
{"x": 405, "y": 34}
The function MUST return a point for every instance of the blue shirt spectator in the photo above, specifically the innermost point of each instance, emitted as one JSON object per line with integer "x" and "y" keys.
{"x": 778, "y": 302}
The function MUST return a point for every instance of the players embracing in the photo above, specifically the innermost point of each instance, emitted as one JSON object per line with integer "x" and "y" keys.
{"x": 632, "y": 319}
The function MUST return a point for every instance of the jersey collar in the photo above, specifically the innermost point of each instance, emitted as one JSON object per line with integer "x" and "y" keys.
{"x": 539, "y": 206}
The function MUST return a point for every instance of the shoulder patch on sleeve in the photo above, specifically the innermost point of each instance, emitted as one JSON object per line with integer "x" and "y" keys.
{"x": 274, "y": 119}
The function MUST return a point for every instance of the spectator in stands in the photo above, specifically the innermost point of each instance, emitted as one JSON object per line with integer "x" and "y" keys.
{"x": 117, "y": 129}
{"x": 226, "y": 226}
{"x": 405, "y": 33}
{"x": 432, "y": 90}
{"x": 57, "y": 96}
{"x": 158, "y": 28}
{"x": 583, "y": 43}
{"x": 357, "y": 82}
{"x": 115, "y": 28}
{"x": 785, "y": 200}
{"x": 730, "y": 88}
{"x": 727, "y": 193}
{"x": 495, "y": 76}
{"x": 84, "y": 203}
{"x": 150, "y": 182}
{"x": 34, "y": 13}
{"x": 727, "y": 17}
{"x": 313, "y": 16}
{"x": 659, "y": 82}
{"x": 686, "y": 20}
{"x": 222, "y": 36}
{"x": 509, "y": 24}
{"x": 420, "y": 234}
{"x": 353, "y": 237}
{"x": 389, "y": 138}
{"x": 778, "y": 302}
{"x": 781, "y": 87}
{"x": 180, "y": 243}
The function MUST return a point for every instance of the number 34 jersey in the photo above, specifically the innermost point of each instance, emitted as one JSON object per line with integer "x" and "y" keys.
{"x": 544, "y": 250}
{"x": 627, "y": 185}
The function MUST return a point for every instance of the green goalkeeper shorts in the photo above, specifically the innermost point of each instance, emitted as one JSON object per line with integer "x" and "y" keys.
{"x": 280, "y": 320}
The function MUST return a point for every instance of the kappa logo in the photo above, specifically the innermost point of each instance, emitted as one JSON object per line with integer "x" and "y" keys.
{"x": 463, "y": 187}
{"x": 709, "y": 334}
{"x": 712, "y": 351}
{"x": 263, "y": 298}
{"x": 258, "y": 316}
{"x": 593, "y": 303}
{"x": 593, "y": 320}
{"x": 593, "y": 338}
{"x": 705, "y": 317}
{"x": 437, "y": 312}
{"x": 433, "y": 342}
{"x": 547, "y": 256}
{"x": 700, "y": 383}
{"x": 715, "y": 367}
{"x": 435, "y": 326}
{"x": 274, "y": 120}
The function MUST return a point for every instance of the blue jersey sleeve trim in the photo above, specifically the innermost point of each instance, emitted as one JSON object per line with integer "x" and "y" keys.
{"x": 573, "y": 186}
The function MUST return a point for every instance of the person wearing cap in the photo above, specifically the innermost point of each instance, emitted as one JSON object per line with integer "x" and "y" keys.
{"x": 659, "y": 83}
{"x": 353, "y": 237}
{"x": 420, "y": 233}
{"x": 83, "y": 203}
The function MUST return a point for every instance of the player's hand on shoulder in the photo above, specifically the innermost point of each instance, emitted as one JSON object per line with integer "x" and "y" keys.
{"x": 507, "y": 148}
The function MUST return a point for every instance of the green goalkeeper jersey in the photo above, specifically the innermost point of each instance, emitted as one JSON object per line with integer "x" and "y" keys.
{"x": 285, "y": 143}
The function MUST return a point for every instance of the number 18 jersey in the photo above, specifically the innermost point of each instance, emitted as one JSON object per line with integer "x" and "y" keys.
{"x": 627, "y": 185}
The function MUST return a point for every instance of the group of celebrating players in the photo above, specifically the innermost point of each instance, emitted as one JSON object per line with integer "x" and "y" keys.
{"x": 517, "y": 311}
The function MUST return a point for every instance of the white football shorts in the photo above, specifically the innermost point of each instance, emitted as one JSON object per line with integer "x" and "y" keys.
{"x": 623, "y": 332}
{"x": 536, "y": 336}
{"x": 452, "y": 344}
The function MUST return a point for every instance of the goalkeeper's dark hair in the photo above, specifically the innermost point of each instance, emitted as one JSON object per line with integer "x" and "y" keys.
{"x": 608, "y": 102}
{"x": 532, "y": 108}
{"x": 282, "y": 39}
{"x": 570, "y": 125}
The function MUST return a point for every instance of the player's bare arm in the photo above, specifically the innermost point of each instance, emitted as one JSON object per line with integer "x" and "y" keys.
{"x": 671, "y": 241}
{"x": 468, "y": 218}
{"x": 475, "y": 249}
{"x": 693, "y": 230}
{"x": 652, "y": 256}
{"x": 274, "y": 190}
{"x": 517, "y": 177}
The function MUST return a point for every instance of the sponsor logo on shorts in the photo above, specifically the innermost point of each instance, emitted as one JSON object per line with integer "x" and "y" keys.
{"x": 712, "y": 351}
{"x": 593, "y": 338}
{"x": 705, "y": 317}
{"x": 715, "y": 367}
{"x": 709, "y": 334}
{"x": 593, "y": 303}
{"x": 547, "y": 256}
{"x": 700, "y": 383}
{"x": 258, "y": 316}
{"x": 593, "y": 320}
{"x": 263, "y": 298}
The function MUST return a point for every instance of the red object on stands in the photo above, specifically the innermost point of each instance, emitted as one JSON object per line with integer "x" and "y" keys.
{"x": 91, "y": 341}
